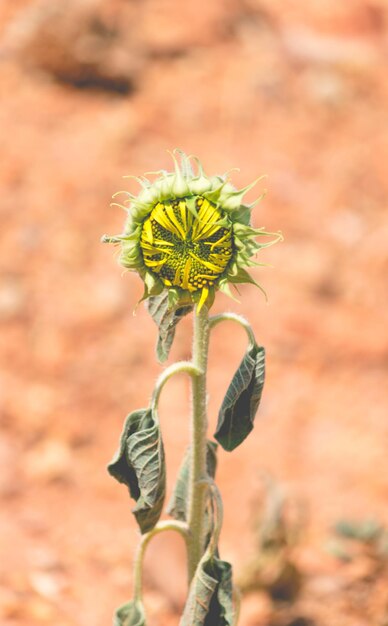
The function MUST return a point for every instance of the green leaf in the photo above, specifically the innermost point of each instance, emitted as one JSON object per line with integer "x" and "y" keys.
{"x": 242, "y": 399}
{"x": 210, "y": 598}
{"x": 130, "y": 614}
{"x": 139, "y": 464}
{"x": 166, "y": 318}
{"x": 177, "y": 506}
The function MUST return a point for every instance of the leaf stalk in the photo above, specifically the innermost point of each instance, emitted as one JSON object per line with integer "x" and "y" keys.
{"x": 239, "y": 319}
{"x": 180, "y": 527}
{"x": 169, "y": 372}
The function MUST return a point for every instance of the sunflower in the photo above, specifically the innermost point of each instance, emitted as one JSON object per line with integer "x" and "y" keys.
{"x": 189, "y": 234}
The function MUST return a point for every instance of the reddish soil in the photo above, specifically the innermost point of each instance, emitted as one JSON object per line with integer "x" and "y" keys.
{"x": 92, "y": 91}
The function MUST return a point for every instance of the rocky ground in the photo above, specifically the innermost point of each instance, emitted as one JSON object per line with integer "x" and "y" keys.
{"x": 92, "y": 91}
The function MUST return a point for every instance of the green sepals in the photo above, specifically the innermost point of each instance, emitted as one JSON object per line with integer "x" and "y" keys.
{"x": 213, "y": 195}
{"x": 166, "y": 318}
{"x": 177, "y": 506}
{"x": 185, "y": 184}
{"x": 130, "y": 614}
{"x": 243, "y": 215}
{"x": 242, "y": 399}
{"x": 223, "y": 286}
{"x": 210, "y": 597}
{"x": 139, "y": 464}
{"x": 111, "y": 239}
{"x": 152, "y": 286}
{"x": 130, "y": 256}
{"x": 173, "y": 297}
{"x": 191, "y": 205}
{"x": 239, "y": 275}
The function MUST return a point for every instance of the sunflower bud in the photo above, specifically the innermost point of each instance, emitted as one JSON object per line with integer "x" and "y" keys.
{"x": 189, "y": 234}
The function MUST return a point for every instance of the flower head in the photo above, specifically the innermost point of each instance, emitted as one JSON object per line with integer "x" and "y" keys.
{"x": 189, "y": 234}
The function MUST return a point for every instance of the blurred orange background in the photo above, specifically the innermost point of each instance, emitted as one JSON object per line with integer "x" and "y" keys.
{"x": 92, "y": 91}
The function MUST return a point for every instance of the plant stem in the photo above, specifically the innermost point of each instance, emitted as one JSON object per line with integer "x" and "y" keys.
{"x": 198, "y": 470}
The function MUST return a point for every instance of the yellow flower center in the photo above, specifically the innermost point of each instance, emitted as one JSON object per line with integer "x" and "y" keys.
{"x": 187, "y": 242}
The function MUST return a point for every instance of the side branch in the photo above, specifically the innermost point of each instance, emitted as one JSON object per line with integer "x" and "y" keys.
{"x": 239, "y": 319}
{"x": 179, "y": 527}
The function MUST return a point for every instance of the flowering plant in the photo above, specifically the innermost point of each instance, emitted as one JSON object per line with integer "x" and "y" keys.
{"x": 188, "y": 235}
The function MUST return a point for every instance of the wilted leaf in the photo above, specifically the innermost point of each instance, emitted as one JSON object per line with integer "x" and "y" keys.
{"x": 238, "y": 410}
{"x": 166, "y": 318}
{"x": 177, "y": 506}
{"x": 139, "y": 464}
{"x": 210, "y": 597}
{"x": 130, "y": 614}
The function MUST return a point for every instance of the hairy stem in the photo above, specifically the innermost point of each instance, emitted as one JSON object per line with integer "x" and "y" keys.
{"x": 198, "y": 470}
{"x": 179, "y": 527}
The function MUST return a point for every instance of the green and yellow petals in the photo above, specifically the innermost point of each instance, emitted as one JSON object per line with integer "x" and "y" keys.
{"x": 187, "y": 249}
{"x": 189, "y": 233}
{"x": 147, "y": 234}
{"x": 209, "y": 220}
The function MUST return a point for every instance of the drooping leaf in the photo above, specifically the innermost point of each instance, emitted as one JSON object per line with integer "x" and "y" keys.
{"x": 177, "y": 506}
{"x": 242, "y": 399}
{"x": 210, "y": 597}
{"x": 139, "y": 464}
{"x": 130, "y": 614}
{"x": 166, "y": 318}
